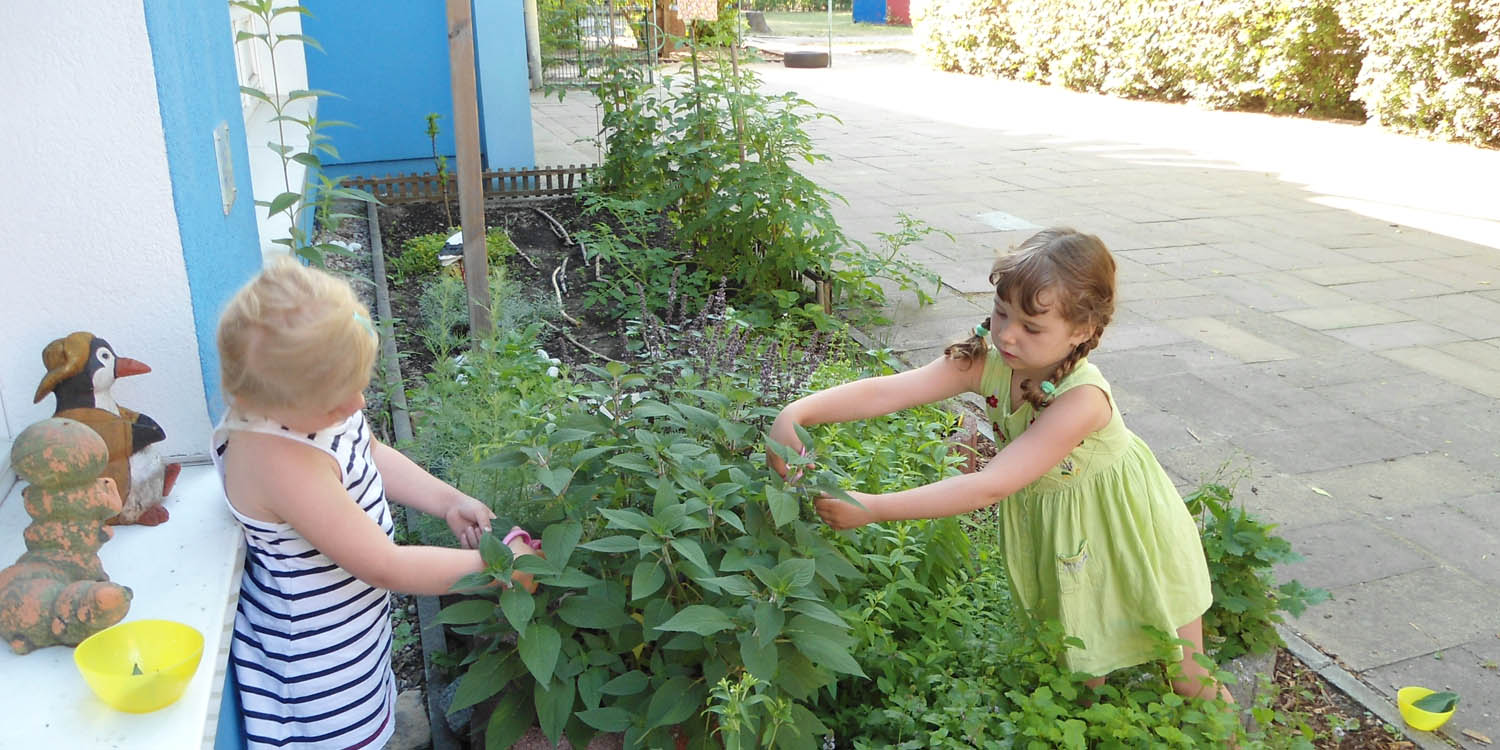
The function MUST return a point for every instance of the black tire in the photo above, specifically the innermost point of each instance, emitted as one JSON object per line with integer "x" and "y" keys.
{"x": 805, "y": 59}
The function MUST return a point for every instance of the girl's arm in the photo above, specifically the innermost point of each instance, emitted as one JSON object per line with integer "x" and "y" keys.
{"x": 873, "y": 397}
{"x": 1060, "y": 428}
{"x": 306, "y": 491}
{"x": 411, "y": 485}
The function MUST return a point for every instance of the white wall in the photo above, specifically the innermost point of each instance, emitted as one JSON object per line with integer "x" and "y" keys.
{"x": 266, "y": 174}
{"x": 91, "y": 238}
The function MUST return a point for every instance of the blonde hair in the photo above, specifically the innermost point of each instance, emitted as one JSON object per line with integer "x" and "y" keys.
{"x": 1081, "y": 272}
{"x": 294, "y": 338}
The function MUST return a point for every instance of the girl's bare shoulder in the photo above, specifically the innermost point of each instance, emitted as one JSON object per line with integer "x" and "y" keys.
{"x": 261, "y": 471}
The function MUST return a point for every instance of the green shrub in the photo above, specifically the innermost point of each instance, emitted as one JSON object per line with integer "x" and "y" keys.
{"x": 1430, "y": 66}
{"x": 419, "y": 255}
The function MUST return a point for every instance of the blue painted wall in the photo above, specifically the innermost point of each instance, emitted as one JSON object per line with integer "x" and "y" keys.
{"x": 389, "y": 63}
{"x": 504, "y": 86}
{"x": 193, "y": 54}
{"x": 869, "y": 11}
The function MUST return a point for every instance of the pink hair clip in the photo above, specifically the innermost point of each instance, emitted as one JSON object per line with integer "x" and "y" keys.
{"x": 517, "y": 531}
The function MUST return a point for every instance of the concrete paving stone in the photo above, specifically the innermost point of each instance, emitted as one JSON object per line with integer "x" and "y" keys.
{"x": 1268, "y": 254}
{"x": 1468, "y": 273}
{"x": 1453, "y": 369}
{"x": 1344, "y": 316}
{"x": 1238, "y": 343}
{"x": 1335, "y": 367}
{"x": 968, "y": 275}
{"x": 1208, "y": 411}
{"x": 1349, "y": 274}
{"x": 1159, "y": 428}
{"x": 1482, "y": 509}
{"x": 1212, "y": 305}
{"x": 1471, "y": 315}
{"x": 1291, "y": 402}
{"x": 1466, "y": 431}
{"x": 1386, "y": 489}
{"x": 1128, "y": 271}
{"x": 1283, "y": 499}
{"x": 1120, "y": 336}
{"x": 1152, "y": 290}
{"x": 1253, "y": 291}
{"x": 1348, "y": 552}
{"x": 1383, "y": 622}
{"x": 1381, "y": 395}
{"x": 1453, "y": 538}
{"x": 1209, "y": 460}
{"x": 1320, "y": 446}
{"x": 1200, "y": 269}
{"x": 1481, "y": 353}
{"x": 1149, "y": 362}
{"x": 1460, "y": 670}
{"x": 1386, "y": 252}
{"x": 1410, "y": 333}
{"x": 1178, "y": 254}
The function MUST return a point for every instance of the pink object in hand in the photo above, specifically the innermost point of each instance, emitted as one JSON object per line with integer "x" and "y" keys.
{"x": 517, "y": 531}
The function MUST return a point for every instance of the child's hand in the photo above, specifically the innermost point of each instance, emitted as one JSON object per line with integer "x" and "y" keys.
{"x": 469, "y": 519}
{"x": 843, "y": 515}
{"x": 520, "y": 548}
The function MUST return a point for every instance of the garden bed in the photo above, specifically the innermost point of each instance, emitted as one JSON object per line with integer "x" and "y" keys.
{"x": 1306, "y": 704}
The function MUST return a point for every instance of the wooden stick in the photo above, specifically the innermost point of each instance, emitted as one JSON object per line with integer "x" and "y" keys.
{"x": 560, "y": 306}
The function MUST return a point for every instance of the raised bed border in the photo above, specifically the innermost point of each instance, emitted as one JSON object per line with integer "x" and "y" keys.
{"x": 539, "y": 182}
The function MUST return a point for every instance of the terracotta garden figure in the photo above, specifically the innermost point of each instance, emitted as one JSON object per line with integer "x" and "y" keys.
{"x": 81, "y": 369}
{"x": 57, "y": 592}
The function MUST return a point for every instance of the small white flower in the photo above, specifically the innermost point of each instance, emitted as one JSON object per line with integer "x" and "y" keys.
{"x": 543, "y": 354}
{"x": 553, "y": 372}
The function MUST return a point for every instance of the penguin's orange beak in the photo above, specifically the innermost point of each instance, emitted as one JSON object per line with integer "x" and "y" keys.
{"x": 125, "y": 366}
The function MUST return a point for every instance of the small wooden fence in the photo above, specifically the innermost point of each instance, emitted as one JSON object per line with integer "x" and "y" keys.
{"x": 497, "y": 183}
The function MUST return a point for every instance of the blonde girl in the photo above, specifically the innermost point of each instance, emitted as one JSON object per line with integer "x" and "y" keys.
{"x": 308, "y": 482}
{"x": 1094, "y": 533}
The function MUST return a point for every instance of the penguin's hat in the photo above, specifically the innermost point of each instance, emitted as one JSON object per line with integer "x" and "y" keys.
{"x": 64, "y": 358}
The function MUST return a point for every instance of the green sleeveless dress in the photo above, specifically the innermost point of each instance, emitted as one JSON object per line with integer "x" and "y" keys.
{"x": 1102, "y": 542}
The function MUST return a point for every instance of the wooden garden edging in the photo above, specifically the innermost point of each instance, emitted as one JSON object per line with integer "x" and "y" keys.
{"x": 498, "y": 183}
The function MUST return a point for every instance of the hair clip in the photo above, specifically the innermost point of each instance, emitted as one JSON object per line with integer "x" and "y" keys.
{"x": 1049, "y": 389}
{"x": 364, "y": 321}
{"x": 982, "y": 330}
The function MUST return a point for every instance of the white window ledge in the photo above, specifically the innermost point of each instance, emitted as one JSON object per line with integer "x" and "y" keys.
{"x": 188, "y": 570}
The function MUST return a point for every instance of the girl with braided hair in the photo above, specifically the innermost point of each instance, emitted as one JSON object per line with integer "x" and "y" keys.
{"x": 1094, "y": 534}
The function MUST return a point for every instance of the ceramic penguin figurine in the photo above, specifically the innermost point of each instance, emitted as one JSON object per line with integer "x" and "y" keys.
{"x": 81, "y": 369}
{"x": 57, "y": 592}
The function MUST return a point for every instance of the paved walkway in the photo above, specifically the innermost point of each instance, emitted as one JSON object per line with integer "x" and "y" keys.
{"x": 1311, "y": 308}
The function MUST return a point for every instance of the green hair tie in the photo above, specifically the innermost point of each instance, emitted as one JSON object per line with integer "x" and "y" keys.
{"x": 364, "y": 321}
{"x": 982, "y": 330}
{"x": 1049, "y": 389}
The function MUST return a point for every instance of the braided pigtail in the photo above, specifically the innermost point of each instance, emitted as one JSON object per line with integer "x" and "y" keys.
{"x": 1039, "y": 395}
{"x": 973, "y": 347}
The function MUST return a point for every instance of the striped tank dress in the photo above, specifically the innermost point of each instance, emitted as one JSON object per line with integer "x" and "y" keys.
{"x": 312, "y": 644}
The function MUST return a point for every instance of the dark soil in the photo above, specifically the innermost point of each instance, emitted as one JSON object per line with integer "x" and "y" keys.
{"x": 544, "y": 255}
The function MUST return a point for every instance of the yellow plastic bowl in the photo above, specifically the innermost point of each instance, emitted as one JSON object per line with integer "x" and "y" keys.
{"x": 140, "y": 666}
{"x": 1426, "y": 721}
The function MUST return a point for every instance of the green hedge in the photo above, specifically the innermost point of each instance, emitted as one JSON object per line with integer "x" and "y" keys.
{"x": 1432, "y": 67}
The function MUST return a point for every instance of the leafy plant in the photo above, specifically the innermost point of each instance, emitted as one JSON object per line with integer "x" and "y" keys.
{"x": 419, "y": 255}
{"x": 317, "y": 191}
{"x": 859, "y": 267}
{"x": 440, "y": 163}
{"x": 1241, "y": 551}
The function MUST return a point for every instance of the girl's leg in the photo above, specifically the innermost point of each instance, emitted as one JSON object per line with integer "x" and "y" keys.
{"x": 1195, "y": 681}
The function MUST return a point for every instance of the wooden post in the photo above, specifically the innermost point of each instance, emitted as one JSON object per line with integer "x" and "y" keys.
{"x": 470, "y": 191}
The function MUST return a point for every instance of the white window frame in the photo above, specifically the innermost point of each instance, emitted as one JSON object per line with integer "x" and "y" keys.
{"x": 249, "y": 56}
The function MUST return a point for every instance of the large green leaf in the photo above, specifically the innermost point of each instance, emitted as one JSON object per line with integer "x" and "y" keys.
{"x": 591, "y": 684}
{"x": 555, "y": 479}
{"x": 783, "y": 505}
{"x": 595, "y": 612}
{"x": 824, "y": 651}
{"x": 769, "y": 619}
{"x": 493, "y": 552}
{"x": 558, "y": 541}
{"x": 672, "y": 703}
{"x": 554, "y": 705}
{"x": 818, "y": 612}
{"x": 630, "y": 683}
{"x": 632, "y": 520}
{"x": 479, "y": 682}
{"x": 698, "y": 618}
{"x": 609, "y": 719}
{"x": 646, "y": 580}
{"x": 693, "y": 553}
{"x": 512, "y": 716}
{"x": 467, "y": 612}
{"x": 518, "y": 607}
{"x": 759, "y": 658}
{"x": 539, "y": 646}
{"x": 612, "y": 544}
